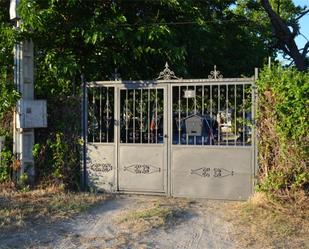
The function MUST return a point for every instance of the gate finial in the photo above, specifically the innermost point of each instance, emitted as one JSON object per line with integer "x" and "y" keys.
{"x": 215, "y": 74}
{"x": 167, "y": 74}
{"x": 116, "y": 76}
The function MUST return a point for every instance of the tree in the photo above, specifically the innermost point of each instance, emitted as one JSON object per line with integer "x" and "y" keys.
{"x": 8, "y": 95}
{"x": 286, "y": 37}
{"x": 137, "y": 37}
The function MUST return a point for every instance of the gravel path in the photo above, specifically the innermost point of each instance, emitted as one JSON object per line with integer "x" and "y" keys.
{"x": 201, "y": 226}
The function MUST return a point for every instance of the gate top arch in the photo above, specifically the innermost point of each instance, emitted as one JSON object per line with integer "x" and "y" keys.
{"x": 167, "y": 75}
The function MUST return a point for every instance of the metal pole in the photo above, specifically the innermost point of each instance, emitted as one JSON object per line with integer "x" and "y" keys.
{"x": 84, "y": 133}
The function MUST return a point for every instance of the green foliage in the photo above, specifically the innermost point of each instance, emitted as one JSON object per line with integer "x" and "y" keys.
{"x": 23, "y": 182}
{"x": 6, "y": 159}
{"x": 95, "y": 37}
{"x": 55, "y": 160}
{"x": 283, "y": 130}
{"x": 5, "y": 162}
{"x": 57, "y": 152}
{"x": 60, "y": 151}
{"x": 8, "y": 94}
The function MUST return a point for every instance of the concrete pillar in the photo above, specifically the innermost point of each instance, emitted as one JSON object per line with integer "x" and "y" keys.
{"x": 24, "y": 82}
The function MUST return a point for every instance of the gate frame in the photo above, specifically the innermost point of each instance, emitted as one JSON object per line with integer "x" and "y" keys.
{"x": 168, "y": 83}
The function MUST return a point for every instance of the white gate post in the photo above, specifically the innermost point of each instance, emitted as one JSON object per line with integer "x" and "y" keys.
{"x": 24, "y": 83}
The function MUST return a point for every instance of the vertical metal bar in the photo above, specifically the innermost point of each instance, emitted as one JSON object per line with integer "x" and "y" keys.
{"x": 203, "y": 100}
{"x": 254, "y": 136}
{"x": 227, "y": 106}
{"x": 235, "y": 116}
{"x": 93, "y": 104}
{"x": 84, "y": 133}
{"x": 168, "y": 114}
{"x": 203, "y": 96}
{"x": 134, "y": 116}
{"x": 194, "y": 109}
{"x": 148, "y": 130}
{"x": 219, "y": 119}
{"x": 141, "y": 117}
{"x": 195, "y": 99}
{"x": 127, "y": 118}
{"x": 243, "y": 114}
{"x": 100, "y": 114}
{"x": 187, "y": 114}
{"x": 179, "y": 115}
{"x": 117, "y": 133}
{"x": 107, "y": 115}
{"x": 211, "y": 134}
{"x": 156, "y": 116}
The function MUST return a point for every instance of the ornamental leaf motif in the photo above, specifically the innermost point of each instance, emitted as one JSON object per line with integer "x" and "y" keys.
{"x": 212, "y": 172}
{"x": 144, "y": 169}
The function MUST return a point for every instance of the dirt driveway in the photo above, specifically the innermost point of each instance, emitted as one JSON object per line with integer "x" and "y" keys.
{"x": 131, "y": 221}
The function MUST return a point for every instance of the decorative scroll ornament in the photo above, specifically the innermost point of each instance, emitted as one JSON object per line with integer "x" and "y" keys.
{"x": 215, "y": 172}
{"x": 101, "y": 167}
{"x": 203, "y": 172}
{"x": 220, "y": 172}
{"x": 167, "y": 74}
{"x": 142, "y": 169}
{"x": 215, "y": 74}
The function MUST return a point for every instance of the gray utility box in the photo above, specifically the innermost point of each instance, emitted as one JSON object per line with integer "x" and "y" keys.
{"x": 194, "y": 125}
{"x": 31, "y": 114}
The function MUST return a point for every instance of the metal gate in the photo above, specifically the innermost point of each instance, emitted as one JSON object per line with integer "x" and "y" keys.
{"x": 171, "y": 136}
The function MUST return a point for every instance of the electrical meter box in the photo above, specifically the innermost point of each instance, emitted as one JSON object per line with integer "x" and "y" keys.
{"x": 194, "y": 125}
{"x": 31, "y": 114}
{"x": 13, "y": 9}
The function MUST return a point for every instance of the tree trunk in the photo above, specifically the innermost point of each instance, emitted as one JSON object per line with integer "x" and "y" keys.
{"x": 286, "y": 37}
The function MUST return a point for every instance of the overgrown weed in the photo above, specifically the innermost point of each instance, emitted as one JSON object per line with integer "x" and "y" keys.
{"x": 269, "y": 223}
{"x": 51, "y": 204}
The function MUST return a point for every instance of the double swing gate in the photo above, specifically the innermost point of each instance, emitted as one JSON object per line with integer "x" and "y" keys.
{"x": 171, "y": 136}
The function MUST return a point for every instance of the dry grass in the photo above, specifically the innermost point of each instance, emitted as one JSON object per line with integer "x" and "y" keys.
{"x": 18, "y": 208}
{"x": 157, "y": 213}
{"x": 262, "y": 223}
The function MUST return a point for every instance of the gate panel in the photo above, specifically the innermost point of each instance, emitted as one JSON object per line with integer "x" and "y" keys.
{"x": 101, "y": 147}
{"x": 142, "y": 154}
{"x": 212, "y": 148}
{"x": 101, "y": 167}
{"x": 217, "y": 173}
{"x": 142, "y": 168}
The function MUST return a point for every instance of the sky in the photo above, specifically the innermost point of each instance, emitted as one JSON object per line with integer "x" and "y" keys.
{"x": 304, "y": 24}
{"x": 304, "y": 30}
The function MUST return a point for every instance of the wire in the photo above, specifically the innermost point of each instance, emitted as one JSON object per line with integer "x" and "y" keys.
{"x": 183, "y": 23}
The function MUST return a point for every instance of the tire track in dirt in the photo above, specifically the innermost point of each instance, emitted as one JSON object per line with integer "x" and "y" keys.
{"x": 201, "y": 226}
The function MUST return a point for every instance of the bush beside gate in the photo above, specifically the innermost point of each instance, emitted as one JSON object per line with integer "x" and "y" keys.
{"x": 283, "y": 125}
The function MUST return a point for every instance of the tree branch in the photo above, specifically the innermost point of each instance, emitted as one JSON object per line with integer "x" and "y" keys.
{"x": 305, "y": 49}
{"x": 302, "y": 14}
{"x": 286, "y": 37}
{"x": 281, "y": 29}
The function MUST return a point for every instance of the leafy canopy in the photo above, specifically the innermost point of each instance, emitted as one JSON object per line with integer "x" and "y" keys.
{"x": 137, "y": 37}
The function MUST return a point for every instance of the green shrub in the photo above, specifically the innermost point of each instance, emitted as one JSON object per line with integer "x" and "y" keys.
{"x": 5, "y": 162}
{"x": 283, "y": 125}
{"x": 57, "y": 153}
{"x": 6, "y": 158}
